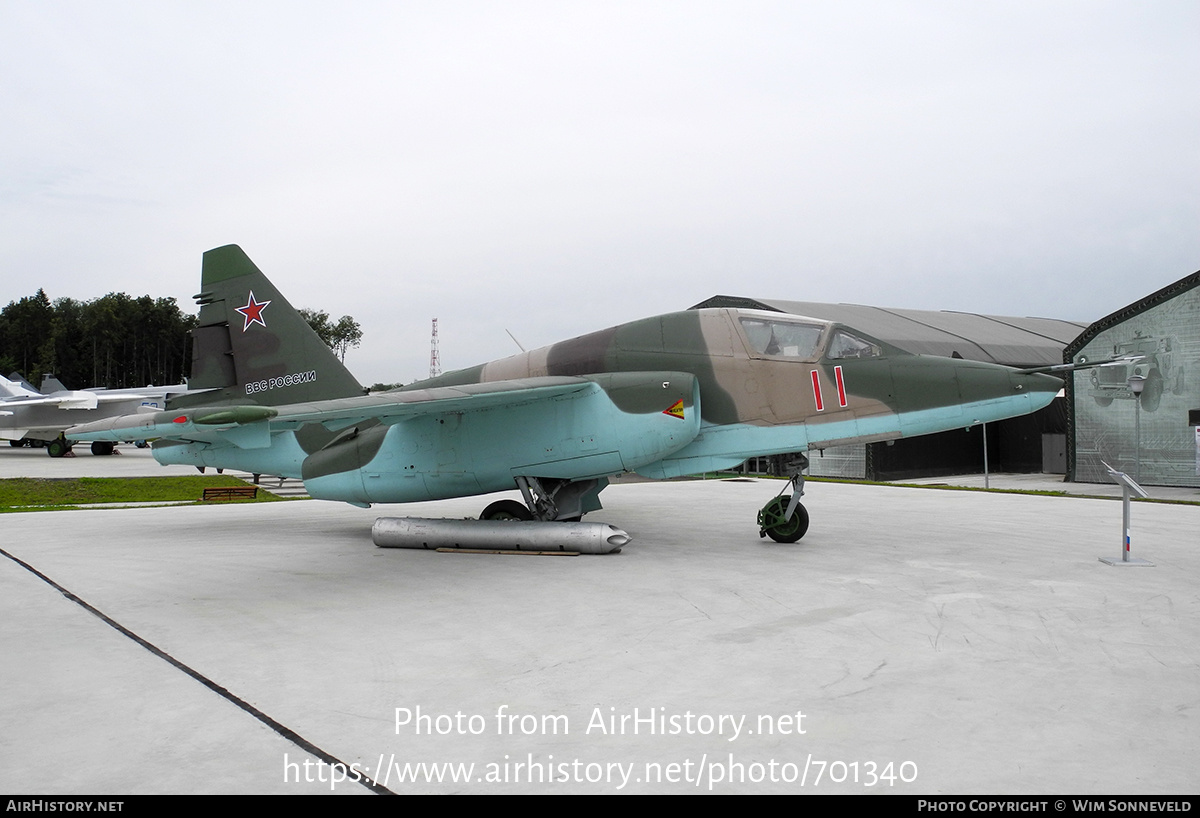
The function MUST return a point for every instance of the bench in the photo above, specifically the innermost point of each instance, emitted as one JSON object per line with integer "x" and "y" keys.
{"x": 230, "y": 493}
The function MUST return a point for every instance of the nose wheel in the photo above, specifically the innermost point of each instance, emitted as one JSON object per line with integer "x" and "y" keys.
{"x": 784, "y": 519}
{"x": 774, "y": 523}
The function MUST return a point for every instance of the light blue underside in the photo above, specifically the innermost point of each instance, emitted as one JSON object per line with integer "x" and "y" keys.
{"x": 723, "y": 447}
{"x": 413, "y": 465}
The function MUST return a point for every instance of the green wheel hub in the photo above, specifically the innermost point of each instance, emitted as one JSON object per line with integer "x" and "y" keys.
{"x": 772, "y": 524}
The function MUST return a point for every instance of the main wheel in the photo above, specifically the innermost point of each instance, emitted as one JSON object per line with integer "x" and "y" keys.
{"x": 57, "y": 447}
{"x": 506, "y": 510}
{"x": 102, "y": 447}
{"x": 781, "y": 530}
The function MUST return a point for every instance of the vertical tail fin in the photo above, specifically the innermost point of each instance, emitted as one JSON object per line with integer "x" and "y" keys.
{"x": 51, "y": 384}
{"x": 251, "y": 346}
{"x": 14, "y": 386}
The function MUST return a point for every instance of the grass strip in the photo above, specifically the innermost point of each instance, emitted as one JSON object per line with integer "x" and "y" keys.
{"x": 20, "y": 493}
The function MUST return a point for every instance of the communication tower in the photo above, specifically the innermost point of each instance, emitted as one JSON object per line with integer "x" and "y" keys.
{"x": 435, "y": 360}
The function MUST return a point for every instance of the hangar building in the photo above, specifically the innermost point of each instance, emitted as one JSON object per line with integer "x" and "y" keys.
{"x": 1153, "y": 437}
{"x": 1030, "y": 444}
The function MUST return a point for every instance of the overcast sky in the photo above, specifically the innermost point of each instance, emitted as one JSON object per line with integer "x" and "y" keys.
{"x": 553, "y": 168}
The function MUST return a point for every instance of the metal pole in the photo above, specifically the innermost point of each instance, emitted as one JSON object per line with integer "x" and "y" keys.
{"x": 1136, "y": 384}
{"x": 986, "y": 483}
{"x": 1125, "y": 497}
{"x": 1137, "y": 435}
{"x": 1128, "y": 489}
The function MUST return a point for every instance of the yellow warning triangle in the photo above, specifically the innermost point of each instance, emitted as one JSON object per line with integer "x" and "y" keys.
{"x": 676, "y": 410}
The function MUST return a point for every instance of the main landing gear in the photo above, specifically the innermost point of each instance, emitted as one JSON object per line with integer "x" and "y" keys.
{"x": 506, "y": 510}
{"x": 549, "y": 499}
{"x": 59, "y": 447}
{"x": 784, "y": 519}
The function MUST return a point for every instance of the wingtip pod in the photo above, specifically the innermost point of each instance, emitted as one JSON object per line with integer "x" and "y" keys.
{"x": 115, "y": 430}
{"x": 192, "y": 424}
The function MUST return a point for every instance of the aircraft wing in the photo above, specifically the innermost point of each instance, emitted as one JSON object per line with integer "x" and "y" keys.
{"x": 391, "y": 407}
{"x": 63, "y": 400}
{"x": 103, "y": 396}
{"x": 77, "y": 400}
{"x": 250, "y": 426}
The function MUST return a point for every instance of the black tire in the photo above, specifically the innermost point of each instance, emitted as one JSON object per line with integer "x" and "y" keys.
{"x": 506, "y": 510}
{"x": 100, "y": 448}
{"x": 1104, "y": 401}
{"x": 793, "y": 529}
{"x": 57, "y": 448}
{"x": 16, "y": 444}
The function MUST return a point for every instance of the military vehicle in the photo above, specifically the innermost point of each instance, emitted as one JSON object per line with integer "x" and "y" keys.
{"x": 1147, "y": 357}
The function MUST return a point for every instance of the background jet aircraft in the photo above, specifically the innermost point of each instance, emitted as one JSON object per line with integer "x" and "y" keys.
{"x": 28, "y": 416}
{"x": 666, "y": 396}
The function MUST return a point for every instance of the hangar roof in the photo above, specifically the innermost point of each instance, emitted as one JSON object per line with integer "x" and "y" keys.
{"x": 1137, "y": 307}
{"x": 993, "y": 338}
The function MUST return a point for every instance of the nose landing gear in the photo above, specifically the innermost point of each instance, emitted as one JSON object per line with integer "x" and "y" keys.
{"x": 784, "y": 519}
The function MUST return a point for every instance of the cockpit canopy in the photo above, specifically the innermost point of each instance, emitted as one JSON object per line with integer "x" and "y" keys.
{"x": 802, "y": 340}
{"x": 786, "y": 339}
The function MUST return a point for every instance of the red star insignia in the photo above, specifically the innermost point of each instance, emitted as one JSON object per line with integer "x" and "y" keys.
{"x": 253, "y": 312}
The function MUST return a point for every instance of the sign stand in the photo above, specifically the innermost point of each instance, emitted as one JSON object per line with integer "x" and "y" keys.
{"x": 1128, "y": 488}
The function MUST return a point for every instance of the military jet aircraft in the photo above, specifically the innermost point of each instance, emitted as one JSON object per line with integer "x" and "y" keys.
{"x": 672, "y": 395}
{"x": 30, "y": 417}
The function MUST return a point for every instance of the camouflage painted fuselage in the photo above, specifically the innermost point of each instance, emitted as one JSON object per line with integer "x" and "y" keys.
{"x": 671, "y": 395}
{"x": 836, "y": 386}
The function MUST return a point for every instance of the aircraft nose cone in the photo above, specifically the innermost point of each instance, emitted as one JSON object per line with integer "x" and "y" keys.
{"x": 1041, "y": 388}
{"x": 1037, "y": 382}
